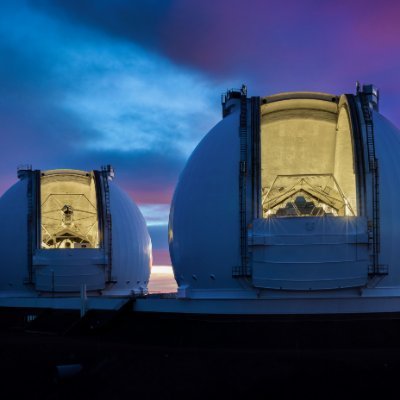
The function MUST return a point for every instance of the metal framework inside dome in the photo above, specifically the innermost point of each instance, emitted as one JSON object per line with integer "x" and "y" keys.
{"x": 307, "y": 159}
{"x": 305, "y": 195}
{"x": 69, "y": 215}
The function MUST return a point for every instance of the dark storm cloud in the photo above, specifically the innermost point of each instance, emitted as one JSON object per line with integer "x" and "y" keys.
{"x": 73, "y": 98}
{"x": 274, "y": 45}
{"x": 139, "y": 20}
{"x": 33, "y": 126}
{"x": 31, "y": 123}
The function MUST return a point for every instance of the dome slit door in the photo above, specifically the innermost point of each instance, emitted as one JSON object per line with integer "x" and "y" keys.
{"x": 311, "y": 234}
{"x": 359, "y": 159}
{"x": 104, "y": 210}
{"x": 70, "y": 252}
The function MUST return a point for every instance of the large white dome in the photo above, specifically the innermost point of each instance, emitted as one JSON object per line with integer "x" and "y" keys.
{"x": 67, "y": 229}
{"x": 291, "y": 194}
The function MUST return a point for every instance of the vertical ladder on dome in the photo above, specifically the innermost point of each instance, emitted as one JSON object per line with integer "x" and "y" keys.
{"x": 106, "y": 186}
{"x": 375, "y": 268}
{"x": 243, "y": 137}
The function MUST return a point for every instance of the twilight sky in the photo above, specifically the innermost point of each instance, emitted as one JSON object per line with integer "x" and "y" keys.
{"x": 137, "y": 83}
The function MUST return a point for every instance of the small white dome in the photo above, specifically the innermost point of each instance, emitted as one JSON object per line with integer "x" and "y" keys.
{"x": 131, "y": 244}
{"x": 63, "y": 229}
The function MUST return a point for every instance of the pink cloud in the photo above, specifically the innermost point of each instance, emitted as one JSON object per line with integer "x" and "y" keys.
{"x": 161, "y": 257}
{"x": 142, "y": 196}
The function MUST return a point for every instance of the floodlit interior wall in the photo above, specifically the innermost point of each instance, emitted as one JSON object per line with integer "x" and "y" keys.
{"x": 69, "y": 217}
{"x": 307, "y": 155}
{"x": 344, "y": 159}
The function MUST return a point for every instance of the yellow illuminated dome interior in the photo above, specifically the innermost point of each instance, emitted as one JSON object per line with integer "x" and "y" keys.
{"x": 307, "y": 161}
{"x": 69, "y": 216}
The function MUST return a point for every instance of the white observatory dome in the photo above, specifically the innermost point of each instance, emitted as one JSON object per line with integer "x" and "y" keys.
{"x": 294, "y": 194}
{"x": 63, "y": 230}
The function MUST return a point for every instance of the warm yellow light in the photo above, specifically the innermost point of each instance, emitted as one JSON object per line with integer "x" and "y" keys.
{"x": 69, "y": 217}
{"x": 307, "y": 165}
